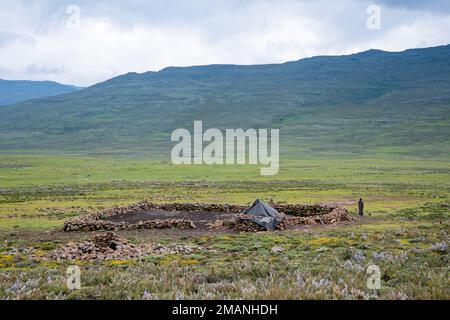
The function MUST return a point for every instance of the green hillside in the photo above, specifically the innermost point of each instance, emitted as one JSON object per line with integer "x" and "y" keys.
{"x": 14, "y": 91}
{"x": 372, "y": 102}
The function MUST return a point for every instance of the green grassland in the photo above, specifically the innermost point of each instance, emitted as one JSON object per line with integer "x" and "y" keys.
{"x": 405, "y": 232}
{"x": 53, "y": 187}
{"x": 373, "y": 125}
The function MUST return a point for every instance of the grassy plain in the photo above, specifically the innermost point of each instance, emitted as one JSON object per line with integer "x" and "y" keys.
{"x": 405, "y": 231}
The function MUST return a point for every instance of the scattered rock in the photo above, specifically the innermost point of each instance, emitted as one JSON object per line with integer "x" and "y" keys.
{"x": 103, "y": 246}
{"x": 216, "y": 224}
{"x": 246, "y": 225}
{"x": 110, "y": 246}
{"x": 277, "y": 249}
{"x": 416, "y": 240}
{"x": 171, "y": 249}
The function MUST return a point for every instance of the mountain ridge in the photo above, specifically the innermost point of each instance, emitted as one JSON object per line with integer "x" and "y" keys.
{"x": 368, "y": 102}
{"x": 16, "y": 91}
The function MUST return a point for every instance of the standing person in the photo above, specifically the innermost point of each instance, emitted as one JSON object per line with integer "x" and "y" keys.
{"x": 361, "y": 207}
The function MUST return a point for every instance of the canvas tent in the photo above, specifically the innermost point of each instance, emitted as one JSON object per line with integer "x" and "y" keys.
{"x": 263, "y": 214}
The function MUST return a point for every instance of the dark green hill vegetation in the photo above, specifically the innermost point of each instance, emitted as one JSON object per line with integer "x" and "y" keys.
{"x": 368, "y": 103}
{"x": 14, "y": 91}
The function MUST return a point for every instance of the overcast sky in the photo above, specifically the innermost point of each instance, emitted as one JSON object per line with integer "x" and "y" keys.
{"x": 45, "y": 40}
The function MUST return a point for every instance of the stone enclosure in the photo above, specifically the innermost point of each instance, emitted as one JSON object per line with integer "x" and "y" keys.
{"x": 147, "y": 215}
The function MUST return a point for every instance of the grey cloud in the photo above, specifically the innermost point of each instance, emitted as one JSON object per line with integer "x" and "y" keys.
{"x": 4, "y": 70}
{"x": 440, "y": 6}
{"x": 7, "y": 38}
{"x": 151, "y": 34}
{"x": 34, "y": 69}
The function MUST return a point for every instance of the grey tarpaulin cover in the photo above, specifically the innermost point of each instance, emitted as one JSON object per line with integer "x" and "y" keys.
{"x": 263, "y": 214}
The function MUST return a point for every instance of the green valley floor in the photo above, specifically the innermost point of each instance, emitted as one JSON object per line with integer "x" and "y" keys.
{"x": 405, "y": 231}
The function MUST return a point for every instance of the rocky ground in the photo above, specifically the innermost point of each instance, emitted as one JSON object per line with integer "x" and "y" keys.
{"x": 111, "y": 246}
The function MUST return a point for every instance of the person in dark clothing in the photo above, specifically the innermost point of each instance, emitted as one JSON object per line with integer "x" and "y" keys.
{"x": 361, "y": 207}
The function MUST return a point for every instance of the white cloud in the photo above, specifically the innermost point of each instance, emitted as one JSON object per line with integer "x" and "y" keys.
{"x": 122, "y": 36}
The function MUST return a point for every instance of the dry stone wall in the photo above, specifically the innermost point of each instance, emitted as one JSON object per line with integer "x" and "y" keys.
{"x": 311, "y": 215}
{"x": 99, "y": 221}
{"x": 336, "y": 215}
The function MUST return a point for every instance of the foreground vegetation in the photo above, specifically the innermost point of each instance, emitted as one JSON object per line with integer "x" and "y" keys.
{"x": 405, "y": 232}
{"x": 316, "y": 264}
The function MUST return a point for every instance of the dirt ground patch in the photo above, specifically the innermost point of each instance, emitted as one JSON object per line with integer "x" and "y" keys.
{"x": 155, "y": 235}
{"x": 201, "y": 219}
